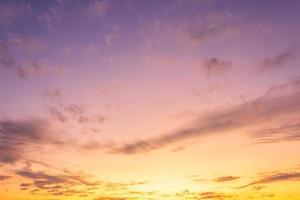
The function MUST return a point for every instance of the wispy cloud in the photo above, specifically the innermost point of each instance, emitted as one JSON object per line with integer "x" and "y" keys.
{"x": 27, "y": 43}
{"x": 58, "y": 185}
{"x": 7, "y": 60}
{"x": 12, "y": 10}
{"x": 214, "y": 195}
{"x": 15, "y": 135}
{"x": 226, "y": 178}
{"x": 4, "y": 177}
{"x": 278, "y": 61}
{"x": 257, "y": 111}
{"x": 276, "y": 177}
{"x": 185, "y": 32}
{"x": 111, "y": 198}
{"x": 289, "y": 131}
{"x": 186, "y": 194}
{"x": 52, "y": 17}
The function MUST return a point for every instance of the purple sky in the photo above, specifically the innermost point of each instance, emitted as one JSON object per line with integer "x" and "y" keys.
{"x": 141, "y": 88}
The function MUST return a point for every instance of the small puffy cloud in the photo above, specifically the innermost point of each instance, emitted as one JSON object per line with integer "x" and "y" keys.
{"x": 73, "y": 113}
{"x": 214, "y": 66}
{"x": 52, "y": 17}
{"x": 98, "y": 8}
{"x": 23, "y": 72}
{"x": 23, "y": 69}
{"x": 30, "y": 68}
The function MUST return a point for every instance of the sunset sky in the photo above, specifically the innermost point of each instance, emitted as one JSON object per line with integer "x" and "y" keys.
{"x": 149, "y": 99}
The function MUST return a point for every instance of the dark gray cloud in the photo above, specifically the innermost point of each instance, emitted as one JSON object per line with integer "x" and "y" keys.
{"x": 278, "y": 61}
{"x": 257, "y": 111}
{"x": 214, "y": 66}
{"x": 285, "y": 176}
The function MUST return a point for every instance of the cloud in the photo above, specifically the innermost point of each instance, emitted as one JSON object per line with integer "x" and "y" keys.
{"x": 220, "y": 179}
{"x": 214, "y": 66}
{"x": 98, "y": 8}
{"x": 186, "y": 194}
{"x": 111, "y": 198}
{"x": 58, "y": 185}
{"x": 52, "y": 17}
{"x": 226, "y": 178}
{"x": 188, "y": 32}
{"x": 27, "y": 43}
{"x": 289, "y": 131}
{"x": 69, "y": 112}
{"x": 278, "y": 61}
{"x": 23, "y": 72}
{"x": 4, "y": 177}
{"x": 16, "y": 135}
{"x": 30, "y": 69}
{"x": 276, "y": 177}
{"x": 12, "y": 10}
{"x": 255, "y": 112}
{"x": 7, "y": 60}
{"x": 67, "y": 183}
{"x": 214, "y": 195}
{"x": 210, "y": 25}
{"x": 112, "y": 36}
{"x": 54, "y": 179}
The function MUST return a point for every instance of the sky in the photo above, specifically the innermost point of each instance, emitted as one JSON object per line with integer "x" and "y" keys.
{"x": 149, "y": 100}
